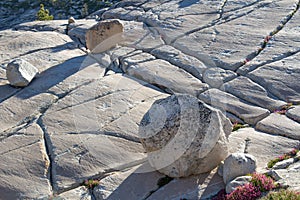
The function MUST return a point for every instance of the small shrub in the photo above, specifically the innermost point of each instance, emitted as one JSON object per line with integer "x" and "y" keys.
{"x": 282, "y": 195}
{"x": 263, "y": 182}
{"x": 259, "y": 184}
{"x": 245, "y": 192}
{"x": 236, "y": 126}
{"x": 44, "y": 14}
{"x": 284, "y": 109}
{"x": 90, "y": 184}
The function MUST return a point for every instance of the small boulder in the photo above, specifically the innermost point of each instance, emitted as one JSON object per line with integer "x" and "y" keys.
{"x": 239, "y": 181}
{"x": 20, "y": 73}
{"x": 238, "y": 164}
{"x": 104, "y": 35}
{"x": 71, "y": 20}
{"x": 183, "y": 136}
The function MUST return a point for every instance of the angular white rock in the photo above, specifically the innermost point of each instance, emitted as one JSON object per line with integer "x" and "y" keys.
{"x": 20, "y": 73}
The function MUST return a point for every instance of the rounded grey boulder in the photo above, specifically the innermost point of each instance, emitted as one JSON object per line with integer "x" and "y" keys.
{"x": 184, "y": 136}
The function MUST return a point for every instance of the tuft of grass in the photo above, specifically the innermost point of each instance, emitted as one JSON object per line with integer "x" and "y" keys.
{"x": 282, "y": 195}
{"x": 236, "y": 126}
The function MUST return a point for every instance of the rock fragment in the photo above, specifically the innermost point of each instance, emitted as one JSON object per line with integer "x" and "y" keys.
{"x": 104, "y": 35}
{"x": 20, "y": 73}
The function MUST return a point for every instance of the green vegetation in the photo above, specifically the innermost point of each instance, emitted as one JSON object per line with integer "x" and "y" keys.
{"x": 91, "y": 184}
{"x": 285, "y": 156}
{"x": 282, "y": 195}
{"x": 83, "y": 7}
{"x": 236, "y": 126}
{"x": 43, "y": 14}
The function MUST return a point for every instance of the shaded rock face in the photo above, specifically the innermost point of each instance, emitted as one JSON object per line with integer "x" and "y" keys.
{"x": 19, "y": 72}
{"x": 238, "y": 164}
{"x": 184, "y": 136}
{"x": 104, "y": 35}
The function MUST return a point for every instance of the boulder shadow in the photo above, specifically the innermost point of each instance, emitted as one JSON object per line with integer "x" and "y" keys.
{"x": 55, "y": 75}
{"x": 187, "y": 3}
{"x": 143, "y": 185}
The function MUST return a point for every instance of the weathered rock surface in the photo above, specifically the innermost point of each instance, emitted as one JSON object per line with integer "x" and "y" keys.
{"x": 280, "y": 78}
{"x": 294, "y": 113}
{"x": 238, "y": 164}
{"x": 165, "y": 75}
{"x": 249, "y": 50}
{"x": 176, "y": 57}
{"x": 24, "y": 165}
{"x": 183, "y": 136}
{"x": 129, "y": 184}
{"x": 283, "y": 164}
{"x": 250, "y": 91}
{"x": 216, "y": 77}
{"x": 261, "y": 145}
{"x": 80, "y": 193}
{"x": 227, "y": 102}
{"x": 280, "y": 125}
{"x": 92, "y": 116}
{"x": 104, "y": 35}
{"x": 20, "y": 73}
{"x": 287, "y": 174}
{"x": 225, "y": 47}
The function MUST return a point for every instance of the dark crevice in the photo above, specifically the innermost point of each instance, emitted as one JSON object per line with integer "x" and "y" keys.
{"x": 160, "y": 183}
{"x": 108, "y": 133}
{"x": 48, "y": 147}
{"x": 247, "y": 143}
{"x": 221, "y": 9}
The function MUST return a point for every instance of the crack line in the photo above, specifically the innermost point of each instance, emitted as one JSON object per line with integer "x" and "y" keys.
{"x": 267, "y": 39}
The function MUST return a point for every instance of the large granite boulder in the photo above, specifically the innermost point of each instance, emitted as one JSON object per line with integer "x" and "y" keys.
{"x": 184, "y": 136}
{"x": 20, "y": 73}
{"x": 104, "y": 35}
